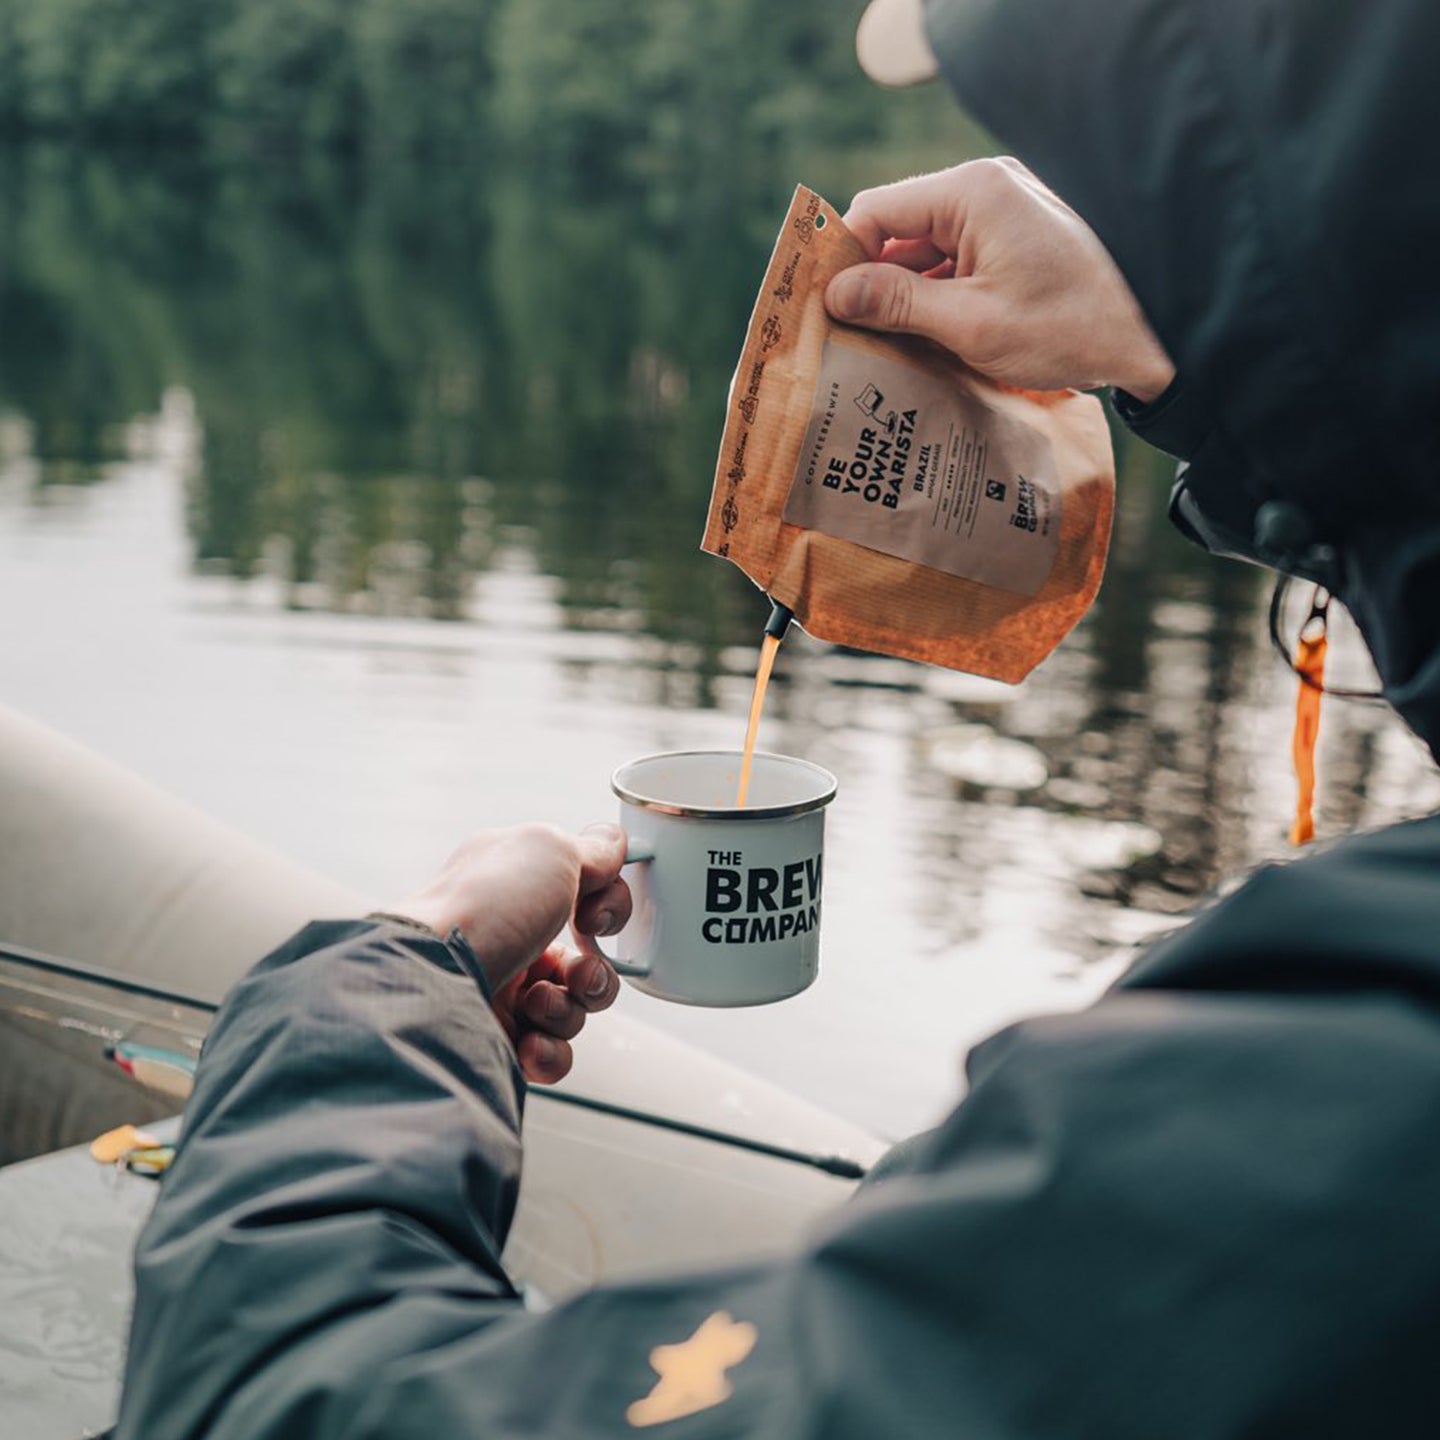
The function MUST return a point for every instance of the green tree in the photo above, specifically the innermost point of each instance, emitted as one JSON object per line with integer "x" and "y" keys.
{"x": 286, "y": 70}
{"x": 12, "y": 75}
{"x": 58, "y": 42}
{"x": 425, "y": 73}
{"x": 569, "y": 86}
{"x": 149, "y": 73}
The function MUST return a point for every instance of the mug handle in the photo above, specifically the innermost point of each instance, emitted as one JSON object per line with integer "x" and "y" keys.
{"x": 635, "y": 854}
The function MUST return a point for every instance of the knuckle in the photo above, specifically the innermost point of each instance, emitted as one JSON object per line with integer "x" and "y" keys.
{"x": 986, "y": 177}
{"x": 897, "y": 303}
{"x": 563, "y": 1020}
{"x": 549, "y": 1059}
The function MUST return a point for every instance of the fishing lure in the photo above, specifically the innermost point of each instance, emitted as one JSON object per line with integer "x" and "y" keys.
{"x": 169, "y": 1071}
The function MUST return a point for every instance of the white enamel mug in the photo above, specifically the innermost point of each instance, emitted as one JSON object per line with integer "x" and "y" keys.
{"x": 727, "y": 900}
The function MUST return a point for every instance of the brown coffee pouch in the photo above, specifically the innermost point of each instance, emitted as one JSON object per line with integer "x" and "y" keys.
{"x": 890, "y": 496}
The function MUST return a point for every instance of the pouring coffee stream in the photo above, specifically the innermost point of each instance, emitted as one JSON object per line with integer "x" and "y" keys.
{"x": 775, "y": 628}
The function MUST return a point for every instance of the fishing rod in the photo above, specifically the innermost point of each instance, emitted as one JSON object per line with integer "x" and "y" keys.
{"x": 94, "y": 975}
{"x": 837, "y": 1165}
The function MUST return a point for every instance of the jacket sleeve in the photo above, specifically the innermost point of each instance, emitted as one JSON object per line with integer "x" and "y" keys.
{"x": 1202, "y": 1209}
{"x": 348, "y": 1171}
{"x": 1212, "y": 502}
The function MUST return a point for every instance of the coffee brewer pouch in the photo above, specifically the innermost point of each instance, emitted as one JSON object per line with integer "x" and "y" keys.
{"x": 890, "y": 496}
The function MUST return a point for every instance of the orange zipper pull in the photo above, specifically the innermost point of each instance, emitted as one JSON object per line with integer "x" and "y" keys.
{"x": 1310, "y": 666}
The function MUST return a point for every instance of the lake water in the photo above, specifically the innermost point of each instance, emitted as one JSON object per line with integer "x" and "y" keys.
{"x": 363, "y": 512}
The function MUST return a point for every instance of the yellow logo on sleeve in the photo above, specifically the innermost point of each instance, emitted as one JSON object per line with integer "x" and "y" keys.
{"x": 692, "y": 1373}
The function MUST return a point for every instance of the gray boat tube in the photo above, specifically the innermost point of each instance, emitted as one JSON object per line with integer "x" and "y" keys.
{"x": 99, "y": 867}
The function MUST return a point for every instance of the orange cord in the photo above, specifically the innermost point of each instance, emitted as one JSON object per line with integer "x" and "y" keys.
{"x": 1310, "y": 663}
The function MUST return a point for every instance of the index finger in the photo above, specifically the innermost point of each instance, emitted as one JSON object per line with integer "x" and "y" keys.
{"x": 927, "y": 207}
{"x": 922, "y": 256}
{"x": 602, "y": 857}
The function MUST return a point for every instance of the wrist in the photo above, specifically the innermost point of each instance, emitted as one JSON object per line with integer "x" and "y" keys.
{"x": 455, "y": 950}
{"x": 406, "y": 921}
{"x": 431, "y": 909}
{"x": 441, "y": 910}
{"x": 1147, "y": 374}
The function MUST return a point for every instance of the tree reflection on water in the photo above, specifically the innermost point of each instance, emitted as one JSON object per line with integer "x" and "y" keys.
{"x": 399, "y": 374}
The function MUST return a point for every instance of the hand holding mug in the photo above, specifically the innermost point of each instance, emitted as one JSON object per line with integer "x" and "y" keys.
{"x": 727, "y": 902}
{"x": 510, "y": 893}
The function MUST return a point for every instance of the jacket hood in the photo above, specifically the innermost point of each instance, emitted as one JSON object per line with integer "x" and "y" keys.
{"x": 1263, "y": 176}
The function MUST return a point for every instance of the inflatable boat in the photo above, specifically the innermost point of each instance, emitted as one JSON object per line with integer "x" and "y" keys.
{"x": 125, "y": 915}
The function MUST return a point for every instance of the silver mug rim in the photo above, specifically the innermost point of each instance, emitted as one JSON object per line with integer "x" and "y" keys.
{"x": 726, "y": 812}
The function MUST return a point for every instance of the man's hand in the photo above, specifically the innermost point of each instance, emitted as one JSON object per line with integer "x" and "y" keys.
{"x": 986, "y": 261}
{"x": 510, "y": 892}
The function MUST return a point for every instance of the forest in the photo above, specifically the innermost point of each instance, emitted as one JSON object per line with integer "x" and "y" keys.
{"x": 584, "y": 82}
{"x": 393, "y": 247}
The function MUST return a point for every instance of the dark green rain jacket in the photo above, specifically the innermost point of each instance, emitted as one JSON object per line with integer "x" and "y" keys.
{"x": 1206, "y": 1209}
{"x": 1266, "y": 174}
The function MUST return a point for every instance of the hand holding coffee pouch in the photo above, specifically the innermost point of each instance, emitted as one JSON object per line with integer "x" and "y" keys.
{"x": 890, "y": 496}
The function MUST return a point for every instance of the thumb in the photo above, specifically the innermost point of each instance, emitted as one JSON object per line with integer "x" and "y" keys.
{"x": 602, "y": 853}
{"x": 890, "y": 297}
